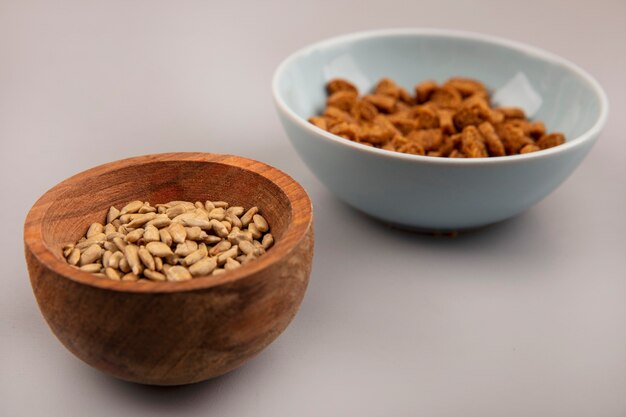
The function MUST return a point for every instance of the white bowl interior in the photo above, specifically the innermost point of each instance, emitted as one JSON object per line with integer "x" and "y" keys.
{"x": 549, "y": 88}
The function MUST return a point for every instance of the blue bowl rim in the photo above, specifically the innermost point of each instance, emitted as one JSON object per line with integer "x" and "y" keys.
{"x": 520, "y": 47}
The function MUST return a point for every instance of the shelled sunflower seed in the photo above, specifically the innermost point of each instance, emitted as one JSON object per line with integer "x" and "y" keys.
{"x": 175, "y": 241}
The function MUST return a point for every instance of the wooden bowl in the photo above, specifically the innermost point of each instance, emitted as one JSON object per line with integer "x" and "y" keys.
{"x": 170, "y": 333}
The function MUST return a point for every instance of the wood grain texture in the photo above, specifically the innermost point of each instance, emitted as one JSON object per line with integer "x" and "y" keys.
{"x": 168, "y": 333}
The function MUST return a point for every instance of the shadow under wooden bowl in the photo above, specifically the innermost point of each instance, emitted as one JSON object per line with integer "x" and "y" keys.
{"x": 170, "y": 333}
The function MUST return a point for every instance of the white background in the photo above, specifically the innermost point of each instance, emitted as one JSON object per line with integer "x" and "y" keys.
{"x": 526, "y": 318}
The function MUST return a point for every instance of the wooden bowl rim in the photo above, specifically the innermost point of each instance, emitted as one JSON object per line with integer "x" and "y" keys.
{"x": 301, "y": 221}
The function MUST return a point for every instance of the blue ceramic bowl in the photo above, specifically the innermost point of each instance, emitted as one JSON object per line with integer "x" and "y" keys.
{"x": 428, "y": 192}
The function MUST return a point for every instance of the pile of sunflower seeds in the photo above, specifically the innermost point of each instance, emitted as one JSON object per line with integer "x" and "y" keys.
{"x": 175, "y": 241}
